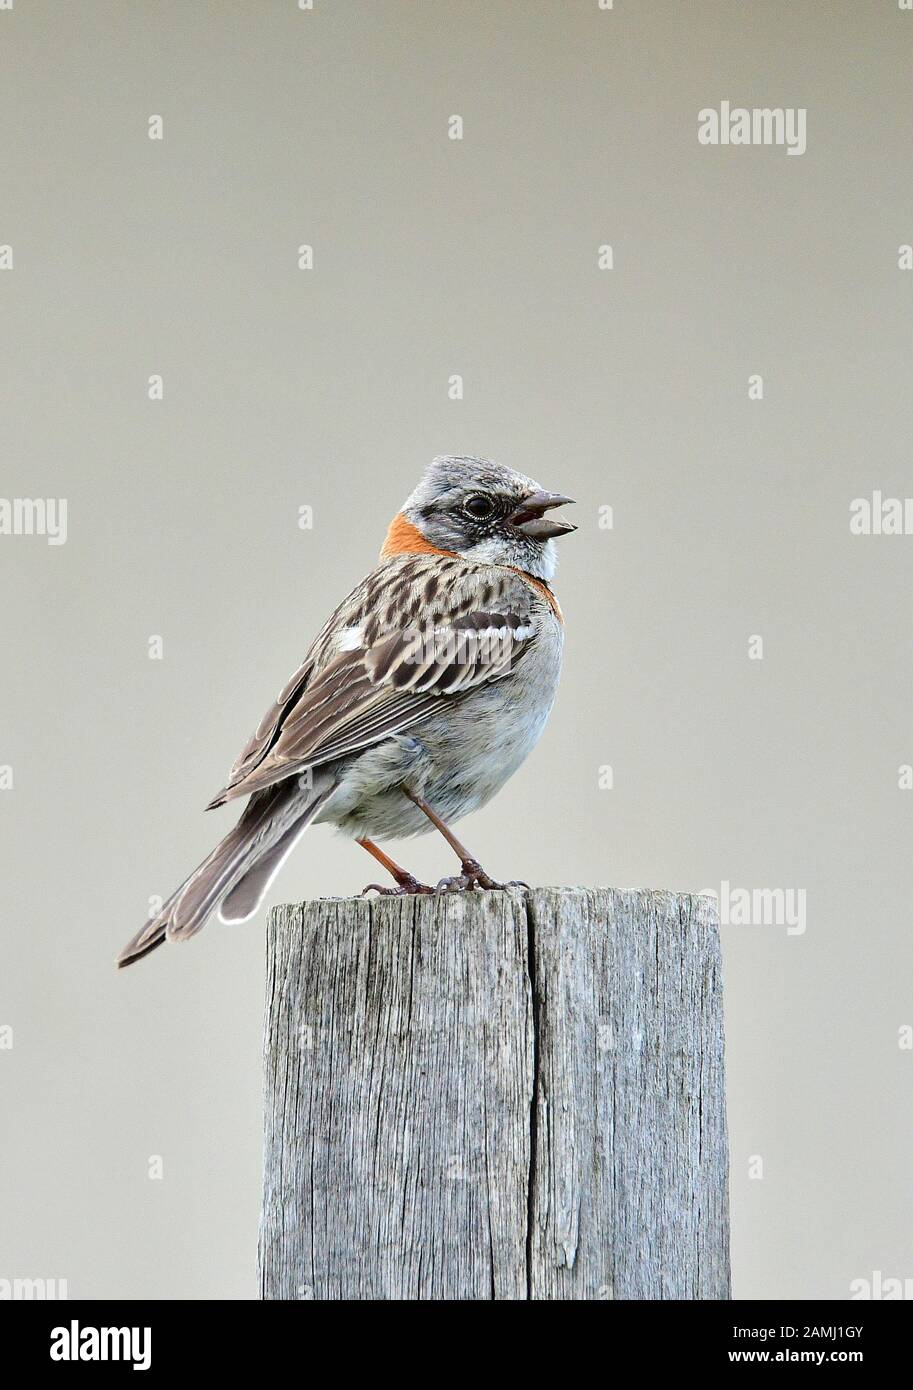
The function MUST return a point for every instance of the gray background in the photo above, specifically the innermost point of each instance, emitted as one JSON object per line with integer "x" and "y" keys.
{"x": 329, "y": 388}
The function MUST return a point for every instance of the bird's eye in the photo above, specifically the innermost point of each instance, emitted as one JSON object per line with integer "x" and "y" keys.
{"x": 479, "y": 507}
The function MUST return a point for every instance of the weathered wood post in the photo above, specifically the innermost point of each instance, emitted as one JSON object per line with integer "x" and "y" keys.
{"x": 495, "y": 1095}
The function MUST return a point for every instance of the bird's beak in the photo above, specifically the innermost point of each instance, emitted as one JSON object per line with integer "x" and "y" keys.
{"x": 529, "y": 517}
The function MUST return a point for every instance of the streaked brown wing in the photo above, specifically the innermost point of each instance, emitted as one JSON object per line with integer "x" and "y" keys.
{"x": 259, "y": 742}
{"x": 364, "y": 695}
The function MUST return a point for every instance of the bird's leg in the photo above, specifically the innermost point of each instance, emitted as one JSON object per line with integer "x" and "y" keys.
{"x": 472, "y": 874}
{"x": 406, "y": 882}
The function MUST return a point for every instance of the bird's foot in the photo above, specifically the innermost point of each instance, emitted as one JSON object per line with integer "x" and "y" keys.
{"x": 407, "y": 888}
{"x": 474, "y": 876}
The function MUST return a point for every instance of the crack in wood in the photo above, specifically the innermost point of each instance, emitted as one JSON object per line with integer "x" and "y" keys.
{"x": 495, "y": 1097}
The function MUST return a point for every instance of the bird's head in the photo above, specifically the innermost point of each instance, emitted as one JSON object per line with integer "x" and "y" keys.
{"x": 483, "y": 511}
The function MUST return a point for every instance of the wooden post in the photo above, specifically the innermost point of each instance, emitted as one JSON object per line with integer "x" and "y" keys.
{"x": 495, "y": 1095}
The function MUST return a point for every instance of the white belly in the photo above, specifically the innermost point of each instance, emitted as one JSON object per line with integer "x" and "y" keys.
{"x": 456, "y": 759}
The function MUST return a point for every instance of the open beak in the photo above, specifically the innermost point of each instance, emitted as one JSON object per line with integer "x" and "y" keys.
{"x": 529, "y": 517}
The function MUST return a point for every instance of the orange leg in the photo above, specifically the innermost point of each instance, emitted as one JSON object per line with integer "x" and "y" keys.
{"x": 407, "y": 883}
{"x": 472, "y": 874}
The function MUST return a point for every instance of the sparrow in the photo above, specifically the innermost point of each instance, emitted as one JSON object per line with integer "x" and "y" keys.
{"x": 421, "y": 696}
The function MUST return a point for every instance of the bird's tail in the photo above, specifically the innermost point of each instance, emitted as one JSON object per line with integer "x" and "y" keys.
{"x": 239, "y": 870}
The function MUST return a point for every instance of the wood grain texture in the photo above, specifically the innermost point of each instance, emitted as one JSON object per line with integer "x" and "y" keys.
{"x": 495, "y": 1095}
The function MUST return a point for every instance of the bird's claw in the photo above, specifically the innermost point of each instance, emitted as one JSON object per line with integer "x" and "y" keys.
{"x": 474, "y": 876}
{"x": 408, "y": 888}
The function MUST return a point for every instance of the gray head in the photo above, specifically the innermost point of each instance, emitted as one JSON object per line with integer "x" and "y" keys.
{"x": 487, "y": 513}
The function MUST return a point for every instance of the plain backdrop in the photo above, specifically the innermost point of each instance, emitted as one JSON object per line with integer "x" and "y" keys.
{"x": 328, "y": 388}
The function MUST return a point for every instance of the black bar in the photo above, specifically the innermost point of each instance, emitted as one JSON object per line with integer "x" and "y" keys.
{"x": 213, "y": 1337}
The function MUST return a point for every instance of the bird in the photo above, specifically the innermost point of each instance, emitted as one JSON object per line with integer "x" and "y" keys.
{"x": 423, "y": 693}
